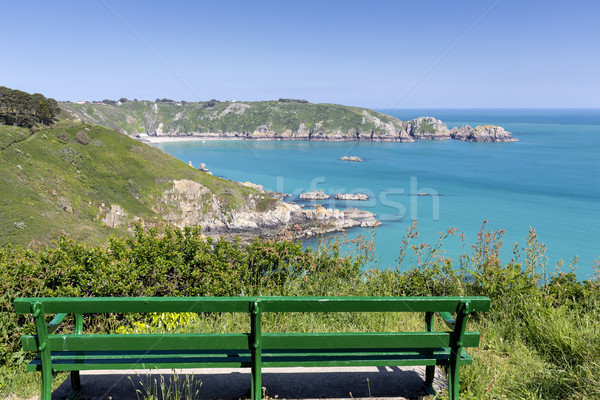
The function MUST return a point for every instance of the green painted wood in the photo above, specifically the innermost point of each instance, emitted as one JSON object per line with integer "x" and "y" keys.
{"x": 364, "y": 340}
{"x": 63, "y": 363}
{"x": 242, "y": 304}
{"x": 448, "y": 320}
{"x": 254, "y": 349}
{"x": 370, "y": 304}
{"x": 39, "y": 315}
{"x": 239, "y": 341}
{"x": 142, "y": 341}
{"x": 56, "y": 321}
{"x": 290, "y": 353}
{"x": 84, "y": 305}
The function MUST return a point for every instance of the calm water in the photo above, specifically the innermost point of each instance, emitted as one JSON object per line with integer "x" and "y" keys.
{"x": 550, "y": 180}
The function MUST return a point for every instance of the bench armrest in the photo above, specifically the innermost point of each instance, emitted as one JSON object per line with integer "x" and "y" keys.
{"x": 448, "y": 319}
{"x": 58, "y": 319}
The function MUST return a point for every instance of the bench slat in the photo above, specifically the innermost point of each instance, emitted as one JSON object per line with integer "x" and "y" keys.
{"x": 241, "y": 304}
{"x": 68, "y": 361}
{"x": 121, "y": 305}
{"x": 371, "y": 304}
{"x": 141, "y": 342}
{"x": 364, "y": 340}
{"x": 240, "y": 341}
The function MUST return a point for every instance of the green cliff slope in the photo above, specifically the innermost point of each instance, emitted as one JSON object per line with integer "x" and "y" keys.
{"x": 91, "y": 182}
{"x": 270, "y": 120}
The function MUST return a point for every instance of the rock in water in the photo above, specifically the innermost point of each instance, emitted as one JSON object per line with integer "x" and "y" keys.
{"x": 365, "y": 218}
{"x": 314, "y": 195}
{"x": 351, "y": 158}
{"x": 485, "y": 133}
{"x": 349, "y": 196}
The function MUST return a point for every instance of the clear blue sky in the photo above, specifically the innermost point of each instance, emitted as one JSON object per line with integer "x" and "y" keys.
{"x": 381, "y": 54}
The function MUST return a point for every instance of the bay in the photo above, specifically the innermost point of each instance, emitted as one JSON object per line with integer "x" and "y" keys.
{"x": 549, "y": 180}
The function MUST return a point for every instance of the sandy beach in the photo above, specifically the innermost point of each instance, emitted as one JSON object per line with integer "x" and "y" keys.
{"x": 172, "y": 139}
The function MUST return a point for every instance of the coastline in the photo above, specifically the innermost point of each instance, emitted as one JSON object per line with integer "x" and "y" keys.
{"x": 177, "y": 139}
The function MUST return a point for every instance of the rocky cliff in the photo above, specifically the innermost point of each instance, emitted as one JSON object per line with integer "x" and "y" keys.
{"x": 54, "y": 183}
{"x": 270, "y": 120}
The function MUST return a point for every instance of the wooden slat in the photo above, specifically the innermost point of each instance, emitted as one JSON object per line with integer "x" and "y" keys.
{"x": 134, "y": 304}
{"x": 238, "y": 341}
{"x": 105, "y": 364}
{"x": 141, "y": 342}
{"x": 371, "y": 304}
{"x": 364, "y": 340}
{"x": 69, "y": 361}
{"x": 242, "y": 304}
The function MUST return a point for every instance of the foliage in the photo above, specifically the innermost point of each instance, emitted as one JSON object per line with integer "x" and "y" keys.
{"x": 20, "y": 108}
{"x": 425, "y": 127}
{"x": 540, "y": 340}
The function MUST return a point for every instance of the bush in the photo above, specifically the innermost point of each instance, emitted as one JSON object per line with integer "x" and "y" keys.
{"x": 539, "y": 340}
{"x": 63, "y": 137}
{"x": 82, "y": 138}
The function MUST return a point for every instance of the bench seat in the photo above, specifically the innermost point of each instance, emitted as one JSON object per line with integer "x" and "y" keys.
{"x": 103, "y": 360}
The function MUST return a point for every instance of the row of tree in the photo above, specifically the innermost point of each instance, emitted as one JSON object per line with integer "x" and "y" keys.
{"x": 23, "y": 109}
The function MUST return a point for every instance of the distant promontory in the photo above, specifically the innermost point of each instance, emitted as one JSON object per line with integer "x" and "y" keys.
{"x": 286, "y": 119}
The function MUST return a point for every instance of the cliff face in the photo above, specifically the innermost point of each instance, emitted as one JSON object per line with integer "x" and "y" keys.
{"x": 53, "y": 182}
{"x": 269, "y": 120}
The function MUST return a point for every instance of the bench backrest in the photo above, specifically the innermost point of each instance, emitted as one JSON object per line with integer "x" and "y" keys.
{"x": 255, "y": 306}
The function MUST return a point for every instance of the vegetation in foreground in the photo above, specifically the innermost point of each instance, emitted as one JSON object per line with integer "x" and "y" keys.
{"x": 540, "y": 340}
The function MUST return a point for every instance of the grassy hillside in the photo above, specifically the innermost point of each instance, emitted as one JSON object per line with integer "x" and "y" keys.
{"x": 66, "y": 178}
{"x": 146, "y": 116}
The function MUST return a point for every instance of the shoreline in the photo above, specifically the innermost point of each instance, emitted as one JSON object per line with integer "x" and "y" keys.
{"x": 177, "y": 139}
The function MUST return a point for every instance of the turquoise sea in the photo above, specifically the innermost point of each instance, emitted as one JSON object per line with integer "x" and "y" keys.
{"x": 549, "y": 180}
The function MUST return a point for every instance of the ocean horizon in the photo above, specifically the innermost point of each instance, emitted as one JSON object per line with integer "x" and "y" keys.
{"x": 549, "y": 180}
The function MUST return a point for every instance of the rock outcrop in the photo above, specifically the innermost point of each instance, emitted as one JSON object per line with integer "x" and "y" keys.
{"x": 115, "y": 217}
{"x": 351, "y": 158}
{"x": 350, "y": 196}
{"x": 202, "y": 167}
{"x": 366, "y": 218}
{"x": 189, "y": 203}
{"x": 485, "y": 133}
{"x": 428, "y": 128}
{"x": 314, "y": 195}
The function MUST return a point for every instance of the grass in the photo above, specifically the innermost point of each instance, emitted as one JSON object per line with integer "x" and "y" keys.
{"x": 425, "y": 127}
{"x": 53, "y": 184}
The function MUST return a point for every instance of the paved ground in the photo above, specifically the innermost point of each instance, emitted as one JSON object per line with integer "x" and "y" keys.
{"x": 280, "y": 383}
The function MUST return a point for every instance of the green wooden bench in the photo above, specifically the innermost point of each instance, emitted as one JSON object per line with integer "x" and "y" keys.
{"x": 78, "y": 351}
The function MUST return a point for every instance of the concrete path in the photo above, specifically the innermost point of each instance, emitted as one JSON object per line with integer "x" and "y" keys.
{"x": 280, "y": 383}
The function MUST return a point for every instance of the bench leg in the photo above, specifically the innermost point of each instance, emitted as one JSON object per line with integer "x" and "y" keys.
{"x": 429, "y": 375}
{"x": 75, "y": 385}
{"x": 256, "y": 389}
{"x": 453, "y": 376}
{"x": 46, "y": 384}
